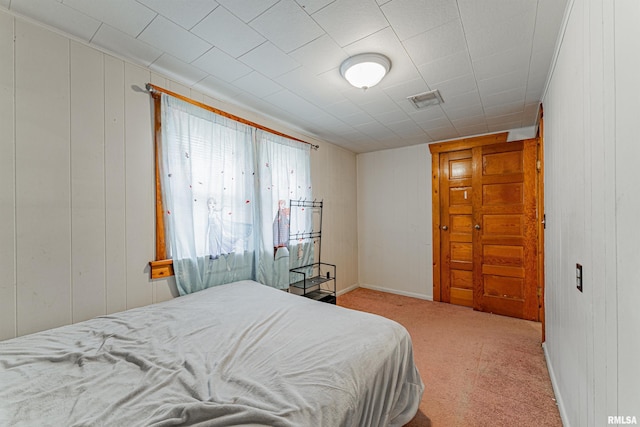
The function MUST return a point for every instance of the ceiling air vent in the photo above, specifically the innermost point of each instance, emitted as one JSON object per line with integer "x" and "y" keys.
{"x": 423, "y": 100}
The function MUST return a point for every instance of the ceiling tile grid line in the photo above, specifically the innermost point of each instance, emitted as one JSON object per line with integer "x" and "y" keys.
{"x": 488, "y": 58}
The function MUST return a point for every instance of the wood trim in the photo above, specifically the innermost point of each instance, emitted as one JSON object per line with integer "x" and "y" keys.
{"x": 531, "y": 308}
{"x": 476, "y": 200}
{"x": 435, "y": 214}
{"x": 540, "y": 218}
{"x": 468, "y": 143}
{"x": 161, "y": 268}
{"x": 161, "y": 247}
{"x": 157, "y": 90}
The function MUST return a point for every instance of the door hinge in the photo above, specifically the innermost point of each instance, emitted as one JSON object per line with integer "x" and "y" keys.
{"x": 544, "y": 221}
{"x": 538, "y": 165}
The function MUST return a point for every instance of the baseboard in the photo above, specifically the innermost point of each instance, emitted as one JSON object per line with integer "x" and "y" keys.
{"x": 349, "y": 289}
{"x": 556, "y": 392}
{"x": 397, "y": 292}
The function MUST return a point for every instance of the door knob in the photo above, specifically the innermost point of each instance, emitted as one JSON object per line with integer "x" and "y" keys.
{"x": 444, "y": 228}
{"x": 477, "y": 227}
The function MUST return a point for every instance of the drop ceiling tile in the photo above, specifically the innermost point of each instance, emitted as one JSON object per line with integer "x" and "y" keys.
{"x": 269, "y": 60}
{"x": 182, "y": 13}
{"x": 5, "y": 3}
{"x": 116, "y": 41}
{"x": 508, "y": 60}
{"x": 174, "y": 39}
{"x": 303, "y": 82}
{"x": 219, "y": 64}
{"x": 478, "y": 15}
{"x": 507, "y": 118}
{"x": 428, "y": 115}
{"x": 257, "y": 84}
{"x": 446, "y": 68}
{"x": 469, "y": 121}
{"x": 358, "y": 119}
{"x": 437, "y": 43}
{"x": 412, "y": 17}
{"x": 228, "y": 33}
{"x": 178, "y": 70}
{"x": 217, "y": 89}
{"x": 503, "y": 109}
{"x": 472, "y": 130}
{"x": 247, "y": 10}
{"x": 405, "y": 127}
{"x": 502, "y": 127}
{"x": 59, "y": 16}
{"x": 322, "y": 54}
{"x": 549, "y": 16}
{"x": 312, "y": 6}
{"x": 374, "y": 95}
{"x": 287, "y": 26}
{"x": 444, "y": 133}
{"x": 462, "y": 100}
{"x": 531, "y": 112}
{"x": 506, "y": 97}
{"x": 514, "y": 33}
{"x": 293, "y": 104}
{"x": 474, "y": 110}
{"x": 391, "y": 117}
{"x": 455, "y": 87}
{"x": 436, "y": 123}
{"x": 376, "y": 131}
{"x": 347, "y": 21}
{"x": 540, "y": 62}
{"x": 502, "y": 82}
{"x": 343, "y": 108}
{"x": 400, "y": 92}
{"x": 129, "y": 16}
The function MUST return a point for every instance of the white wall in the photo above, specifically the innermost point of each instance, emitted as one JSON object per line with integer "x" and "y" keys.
{"x": 333, "y": 173}
{"x": 394, "y": 221}
{"x": 627, "y": 181}
{"x": 77, "y": 183}
{"x": 591, "y": 114}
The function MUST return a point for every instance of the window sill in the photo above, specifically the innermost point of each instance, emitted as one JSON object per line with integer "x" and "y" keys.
{"x": 161, "y": 268}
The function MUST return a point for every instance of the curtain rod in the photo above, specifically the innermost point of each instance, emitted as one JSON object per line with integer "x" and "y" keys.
{"x": 156, "y": 90}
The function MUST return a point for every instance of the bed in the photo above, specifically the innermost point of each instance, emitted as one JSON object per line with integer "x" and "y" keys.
{"x": 236, "y": 354}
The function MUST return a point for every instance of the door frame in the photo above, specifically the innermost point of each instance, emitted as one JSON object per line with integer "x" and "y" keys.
{"x": 469, "y": 143}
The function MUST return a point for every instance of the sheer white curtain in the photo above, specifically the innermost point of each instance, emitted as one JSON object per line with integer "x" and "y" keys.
{"x": 226, "y": 188}
{"x": 284, "y": 174}
{"x": 207, "y": 174}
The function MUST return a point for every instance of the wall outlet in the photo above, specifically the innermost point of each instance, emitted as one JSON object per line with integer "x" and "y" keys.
{"x": 579, "y": 277}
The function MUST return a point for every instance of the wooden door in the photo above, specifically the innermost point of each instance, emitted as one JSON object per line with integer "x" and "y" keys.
{"x": 456, "y": 227}
{"x": 485, "y": 235}
{"x": 505, "y": 234}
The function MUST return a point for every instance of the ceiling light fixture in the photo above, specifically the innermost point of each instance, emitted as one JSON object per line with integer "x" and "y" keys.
{"x": 365, "y": 70}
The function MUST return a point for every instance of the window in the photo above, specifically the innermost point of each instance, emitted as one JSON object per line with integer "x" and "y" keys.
{"x": 224, "y": 188}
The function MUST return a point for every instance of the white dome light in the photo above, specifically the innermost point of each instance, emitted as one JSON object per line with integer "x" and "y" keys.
{"x": 365, "y": 70}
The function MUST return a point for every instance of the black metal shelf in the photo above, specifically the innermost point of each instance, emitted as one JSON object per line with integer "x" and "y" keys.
{"x": 317, "y": 280}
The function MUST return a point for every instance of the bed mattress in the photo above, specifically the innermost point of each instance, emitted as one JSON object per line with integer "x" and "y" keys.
{"x": 236, "y": 354}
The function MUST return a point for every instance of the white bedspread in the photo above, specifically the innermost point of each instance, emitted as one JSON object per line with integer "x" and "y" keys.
{"x": 237, "y": 354}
